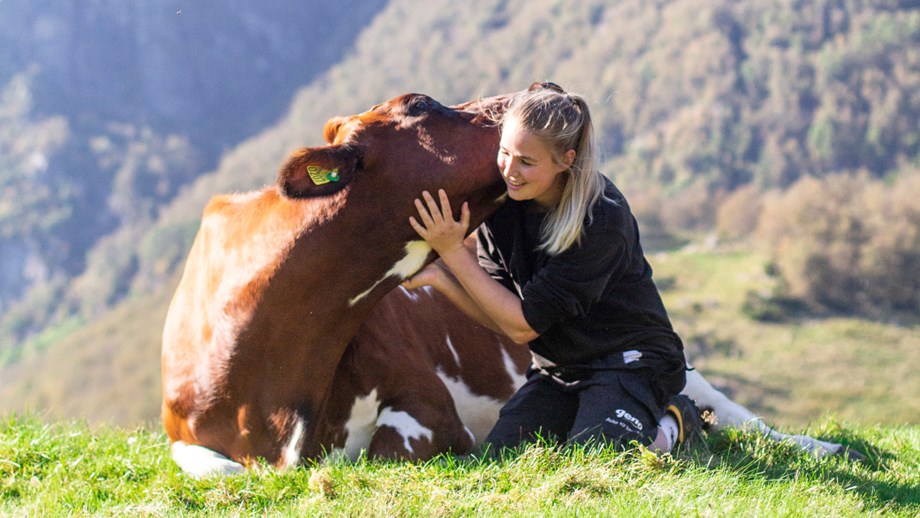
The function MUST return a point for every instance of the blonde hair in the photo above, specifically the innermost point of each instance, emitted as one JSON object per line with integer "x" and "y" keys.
{"x": 562, "y": 121}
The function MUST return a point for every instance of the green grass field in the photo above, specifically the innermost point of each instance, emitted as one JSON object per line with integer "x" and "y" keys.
{"x": 69, "y": 469}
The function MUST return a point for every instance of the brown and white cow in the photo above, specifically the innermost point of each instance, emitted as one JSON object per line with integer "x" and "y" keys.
{"x": 274, "y": 346}
{"x": 278, "y": 281}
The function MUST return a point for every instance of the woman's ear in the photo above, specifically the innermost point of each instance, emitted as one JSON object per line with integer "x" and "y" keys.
{"x": 569, "y": 158}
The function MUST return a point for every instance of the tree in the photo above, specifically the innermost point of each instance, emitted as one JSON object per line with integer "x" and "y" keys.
{"x": 848, "y": 242}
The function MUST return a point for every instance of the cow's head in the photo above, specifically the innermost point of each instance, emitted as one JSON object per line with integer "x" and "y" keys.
{"x": 389, "y": 154}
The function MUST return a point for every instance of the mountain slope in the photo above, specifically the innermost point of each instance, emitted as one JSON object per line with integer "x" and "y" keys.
{"x": 686, "y": 94}
{"x": 108, "y": 108}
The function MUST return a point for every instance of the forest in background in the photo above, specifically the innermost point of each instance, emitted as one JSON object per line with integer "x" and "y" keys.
{"x": 785, "y": 127}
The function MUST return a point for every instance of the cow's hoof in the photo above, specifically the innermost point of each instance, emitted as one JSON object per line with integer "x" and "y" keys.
{"x": 200, "y": 462}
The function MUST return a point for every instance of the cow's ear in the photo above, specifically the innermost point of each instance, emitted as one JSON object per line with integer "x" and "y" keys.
{"x": 317, "y": 171}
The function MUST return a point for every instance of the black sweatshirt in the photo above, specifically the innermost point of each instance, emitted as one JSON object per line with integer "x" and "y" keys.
{"x": 591, "y": 300}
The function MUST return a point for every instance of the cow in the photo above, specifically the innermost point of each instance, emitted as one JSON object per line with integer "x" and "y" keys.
{"x": 278, "y": 281}
{"x": 274, "y": 344}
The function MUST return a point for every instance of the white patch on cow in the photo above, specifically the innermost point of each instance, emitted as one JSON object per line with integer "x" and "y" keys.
{"x": 517, "y": 378}
{"x": 478, "y": 413}
{"x": 405, "y": 425}
{"x": 412, "y": 262}
{"x": 469, "y": 433}
{"x": 200, "y": 462}
{"x": 361, "y": 424}
{"x": 732, "y": 415}
{"x": 453, "y": 351}
{"x": 291, "y": 451}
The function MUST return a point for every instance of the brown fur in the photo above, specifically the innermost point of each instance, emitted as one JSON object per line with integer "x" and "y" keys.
{"x": 399, "y": 351}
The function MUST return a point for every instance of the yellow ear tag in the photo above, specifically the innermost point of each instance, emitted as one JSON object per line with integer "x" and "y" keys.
{"x": 322, "y": 176}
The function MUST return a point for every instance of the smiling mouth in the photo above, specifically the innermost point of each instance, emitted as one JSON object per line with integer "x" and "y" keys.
{"x": 514, "y": 183}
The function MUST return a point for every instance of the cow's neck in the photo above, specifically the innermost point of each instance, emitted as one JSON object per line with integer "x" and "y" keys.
{"x": 310, "y": 308}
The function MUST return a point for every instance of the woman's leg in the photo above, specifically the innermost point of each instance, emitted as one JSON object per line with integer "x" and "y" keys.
{"x": 541, "y": 408}
{"x": 619, "y": 407}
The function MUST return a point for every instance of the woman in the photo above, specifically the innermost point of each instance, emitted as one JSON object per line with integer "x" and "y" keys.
{"x": 560, "y": 268}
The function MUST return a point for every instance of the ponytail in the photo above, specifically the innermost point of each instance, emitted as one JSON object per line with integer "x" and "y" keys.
{"x": 562, "y": 121}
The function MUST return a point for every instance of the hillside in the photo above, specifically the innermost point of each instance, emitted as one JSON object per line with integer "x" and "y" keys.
{"x": 108, "y": 108}
{"x": 690, "y": 132}
{"x": 793, "y": 373}
{"x": 693, "y": 99}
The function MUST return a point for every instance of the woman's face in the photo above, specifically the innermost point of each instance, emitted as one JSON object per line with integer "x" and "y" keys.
{"x": 528, "y": 168}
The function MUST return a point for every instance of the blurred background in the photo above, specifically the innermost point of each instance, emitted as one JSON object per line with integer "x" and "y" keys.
{"x": 770, "y": 149}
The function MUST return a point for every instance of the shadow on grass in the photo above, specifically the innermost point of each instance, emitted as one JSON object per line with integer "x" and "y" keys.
{"x": 881, "y": 481}
{"x": 755, "y": 456}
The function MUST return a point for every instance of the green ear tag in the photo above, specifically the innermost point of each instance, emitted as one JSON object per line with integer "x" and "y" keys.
{"x": 322, "y": 176}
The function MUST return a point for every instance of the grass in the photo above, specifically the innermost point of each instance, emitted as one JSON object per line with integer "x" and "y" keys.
{"x": 69, "y": 469}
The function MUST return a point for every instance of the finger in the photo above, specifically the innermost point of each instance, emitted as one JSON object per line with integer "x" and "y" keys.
{"x": 423, "y": 214}
{"x": 420, "y": 230}
{"x": 411, "y": 283}
{"x": 465, "y": 216}
{"x": 446, "y": 212}
{"x": 433, "y": 207}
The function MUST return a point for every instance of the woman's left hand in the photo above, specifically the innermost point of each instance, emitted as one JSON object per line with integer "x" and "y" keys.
{"x": 438, "y": 227}
{"x": 427, "y": 276}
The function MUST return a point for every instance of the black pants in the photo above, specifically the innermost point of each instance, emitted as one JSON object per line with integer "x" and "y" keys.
{"x": 609, "y": 402}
